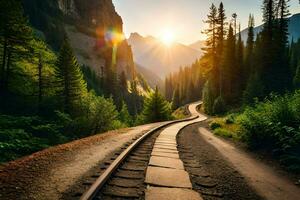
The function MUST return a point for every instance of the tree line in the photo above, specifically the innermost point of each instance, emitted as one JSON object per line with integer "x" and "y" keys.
{"x": 234, "y": 72}
{"x": 48, "y": 98}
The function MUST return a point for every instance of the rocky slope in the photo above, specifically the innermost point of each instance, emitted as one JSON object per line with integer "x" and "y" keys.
{"x": 91, "y": 25}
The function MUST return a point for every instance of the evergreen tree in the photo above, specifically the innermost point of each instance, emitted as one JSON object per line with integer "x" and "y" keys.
{"x": 248, "y": 70}
{"x": 229, "y": 67}
{"x": 156, "y": 108}
{"x": 70, "y": 83}
{"x": 176, "y": 99}
{"x": 15, "y": 37}
{"x": 211, "y": 53}
{"x": 208, "y": 98}
{"x": 124, "y": 115}
{"x": 283, "y": 77}
{"x": 240, "y": 81}
{"x": 297, "y": 77}
{"x": 220, "y": 43}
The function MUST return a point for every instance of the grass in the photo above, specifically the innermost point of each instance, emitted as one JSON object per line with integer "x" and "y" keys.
{"x": 180, "y": 113}
{"x": 225, "y": 127}
{"x": 272, "y": 125}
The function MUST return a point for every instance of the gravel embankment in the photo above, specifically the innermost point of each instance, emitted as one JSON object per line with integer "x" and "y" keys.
{"x": 48, "y": 174}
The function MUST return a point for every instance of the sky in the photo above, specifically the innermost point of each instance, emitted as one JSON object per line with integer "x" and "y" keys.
{"x": 184, "y": 18}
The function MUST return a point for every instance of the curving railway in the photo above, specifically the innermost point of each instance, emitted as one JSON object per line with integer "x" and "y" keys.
{"x": 150, "y": 168}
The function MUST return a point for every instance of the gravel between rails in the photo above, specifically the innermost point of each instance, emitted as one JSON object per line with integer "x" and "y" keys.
{"x": 52, "y": 173}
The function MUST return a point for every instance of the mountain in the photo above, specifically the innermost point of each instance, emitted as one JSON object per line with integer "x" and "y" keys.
{"x": 198, "y": 45}
{"x": 159, "y": 58}
{"x": 152, "y": 79}
{"x": 294, "y": 29}
{"x": 88, "y": 24}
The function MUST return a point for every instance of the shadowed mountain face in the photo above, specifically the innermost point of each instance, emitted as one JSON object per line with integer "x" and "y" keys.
{"x": 159, "y": 58}
{"x": 294, "y": 29}
{"x": 86, "y": 24}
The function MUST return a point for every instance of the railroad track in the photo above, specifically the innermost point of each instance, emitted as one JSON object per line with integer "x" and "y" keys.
{"x": 150, "y": 161}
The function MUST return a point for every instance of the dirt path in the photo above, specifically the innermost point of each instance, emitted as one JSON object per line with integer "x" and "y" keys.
{"x": 211, "y": 174}
{"x": 50, "y": 173}
{"x": 264, "y": 179}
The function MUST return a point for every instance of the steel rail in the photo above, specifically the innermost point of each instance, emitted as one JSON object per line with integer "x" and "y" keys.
{"x": 100, "y": 182}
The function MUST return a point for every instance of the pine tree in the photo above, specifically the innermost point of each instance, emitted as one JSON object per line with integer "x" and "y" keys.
{"x": 248, "y": 70}
{"x": 208, "y": 98}
{"x": 176, "y": 99}
{"x": 70, "y": 83}
{"x": 267, "y": 36}
{"x": 240, "y": 81}
{"x": 297, "y": 77}
{"x": 220, "y": 43}
{"x": 15, "y": 37}
{"x": 211, "y": 54}
{"x": 283, "y": 78}
{"x": 156, "y": 108}
{"x": 229, "y": 67}
{"x": 124, "y": 115}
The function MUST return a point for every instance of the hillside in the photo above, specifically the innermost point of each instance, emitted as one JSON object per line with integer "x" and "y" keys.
{"x": 294, "y": 29}
{"x": 88, "y": 24}
{"x": 152, "y": 79}
{"x": 198, "y": 45}
{"x": 158, "y": 58}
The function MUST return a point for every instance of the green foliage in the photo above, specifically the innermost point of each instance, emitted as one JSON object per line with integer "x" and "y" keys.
{"x": 219, "y": 106}
{"x": 223, "y": 133}
{"x": 186, "y": 85}
{"x": 124, "y": 115}
{"x": 21, "y": 136}
{"x": 97, "y": 115}
{"x": 208, "y": 99}
{"x": 70, "y": 84}
{"x": 297, "y": 77}
{"x": 274, "y": 125}
{"x": 214, "y": 125}
{"x": 156, "y": 108}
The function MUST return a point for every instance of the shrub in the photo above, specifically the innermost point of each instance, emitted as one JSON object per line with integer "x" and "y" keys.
{"x": 274, "y": 125}
{"x": 219, "y": 106}
{"x": 224, "y": 133}
{"x": 229, "y": 119}
{"x": 214, "y": 125}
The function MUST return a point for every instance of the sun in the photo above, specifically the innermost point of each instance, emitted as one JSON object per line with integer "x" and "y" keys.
{"x": 168, "y": 37}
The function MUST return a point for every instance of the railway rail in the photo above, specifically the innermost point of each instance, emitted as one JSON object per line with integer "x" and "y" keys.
{"x": 125, "y": 177}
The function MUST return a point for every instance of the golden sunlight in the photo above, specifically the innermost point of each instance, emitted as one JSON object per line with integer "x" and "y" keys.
{"x": 168, "y": 37}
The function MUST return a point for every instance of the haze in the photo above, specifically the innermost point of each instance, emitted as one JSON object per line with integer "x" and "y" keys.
{"x": 183, "y": 17}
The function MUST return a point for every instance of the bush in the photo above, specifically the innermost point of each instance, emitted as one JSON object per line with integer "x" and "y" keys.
{"x": 219, "y": 106}
{"x": 214, "y": 125}
{"x": 273, "y": 125}
{"x": 224, "y": 133}
{"x": 229, "y": 119}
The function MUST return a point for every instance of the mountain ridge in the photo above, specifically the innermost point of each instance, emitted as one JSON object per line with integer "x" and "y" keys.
{"x": 294, "y": 29}
{"x": 162, "y": 60}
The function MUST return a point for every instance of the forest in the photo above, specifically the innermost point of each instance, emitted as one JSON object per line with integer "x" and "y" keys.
{"x": 251, "y": 86}
{"x": 48, "y": 98}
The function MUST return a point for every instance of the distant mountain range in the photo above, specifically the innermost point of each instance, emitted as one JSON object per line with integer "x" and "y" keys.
{"x": 294, "y": 29}
{"x": 158, "y": 58}
{"x": 152, "y": 79}
{"x": 198, "y": 45}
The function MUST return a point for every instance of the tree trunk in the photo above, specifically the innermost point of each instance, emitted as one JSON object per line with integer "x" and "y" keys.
{"x": 2, "y": 75}
{"x": 40, "y": 92}
{"x": 6, "y": 78}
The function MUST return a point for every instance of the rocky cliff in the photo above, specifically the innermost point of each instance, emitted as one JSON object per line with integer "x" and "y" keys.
{"x": 89, "y": 25}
